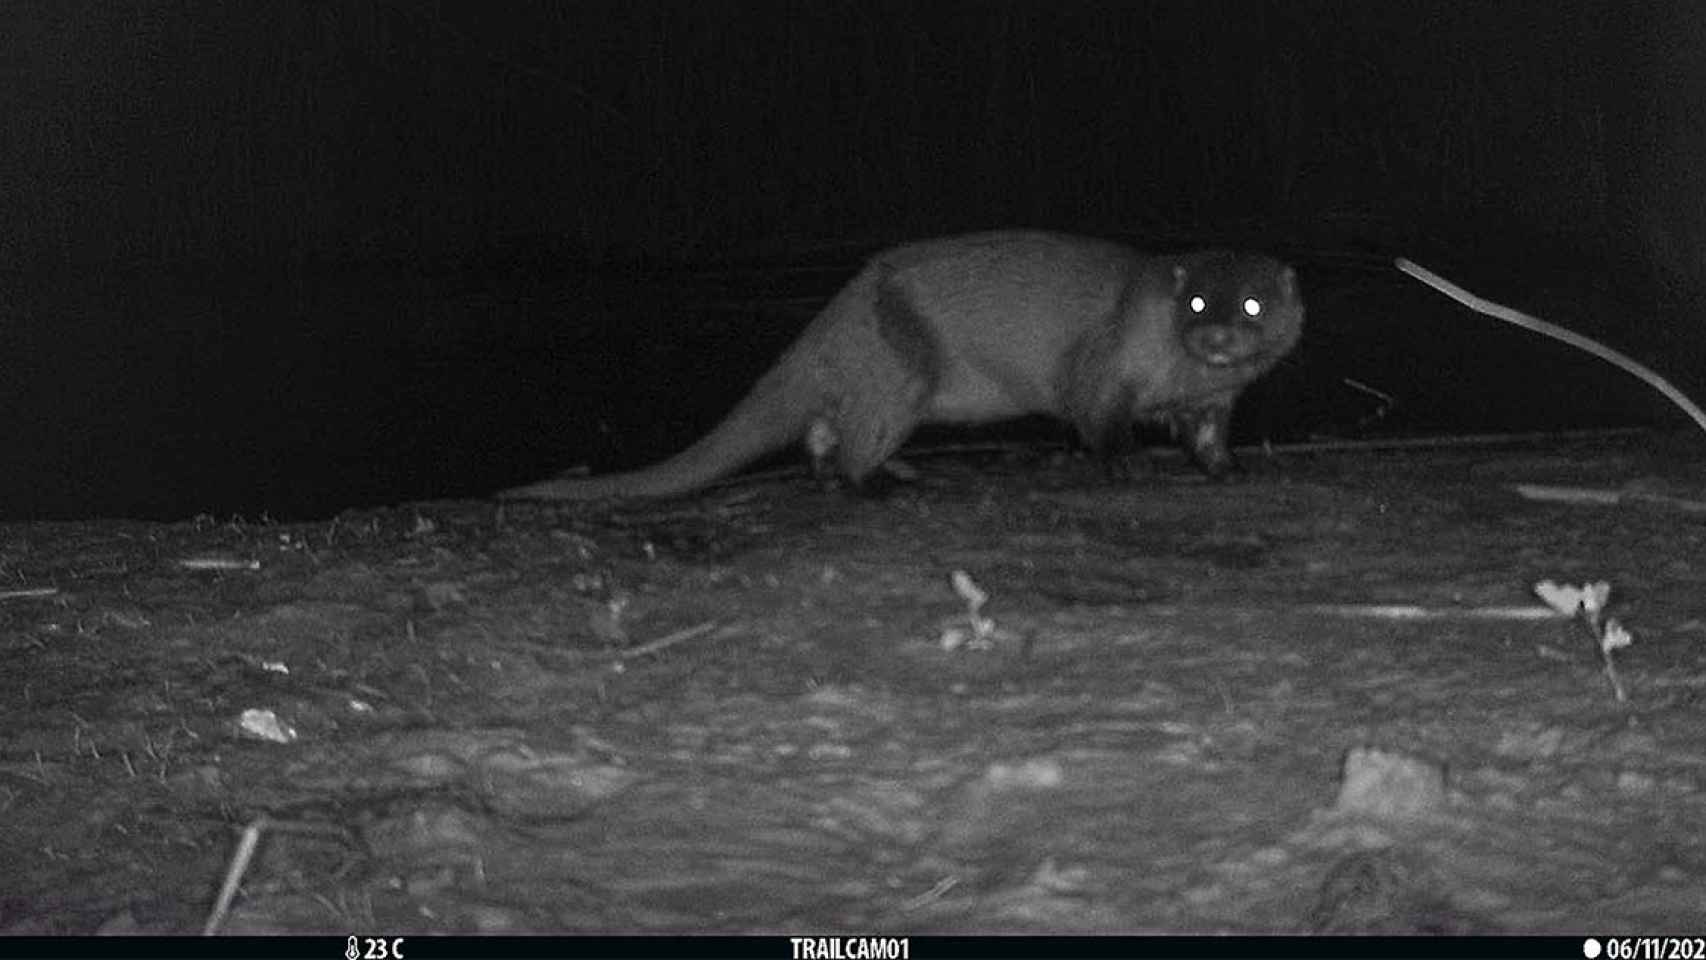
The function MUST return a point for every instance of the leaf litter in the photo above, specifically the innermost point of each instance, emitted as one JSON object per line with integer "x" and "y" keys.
{"x": 1008, "y": 697}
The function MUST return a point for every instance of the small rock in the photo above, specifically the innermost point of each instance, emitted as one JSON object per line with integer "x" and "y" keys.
{"x": 1384, "y": 892}
{"x": 1530, "y": 743}
{"x": 1036, "y": 774}
{"x": 1390, "y": 786}
{"x": 1635, "y": 783}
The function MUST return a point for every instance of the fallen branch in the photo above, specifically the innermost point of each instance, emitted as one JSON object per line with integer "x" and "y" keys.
{"x": 1536, "y": 325}
{"x": 670, "y": 640}
{"x": 1400, "y": 611}
{"x": 1599, "y": 497}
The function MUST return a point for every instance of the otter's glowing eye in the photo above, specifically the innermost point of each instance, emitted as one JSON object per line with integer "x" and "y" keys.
{"x": 1252, "y": 307}
{"x": 1198, "y": 304}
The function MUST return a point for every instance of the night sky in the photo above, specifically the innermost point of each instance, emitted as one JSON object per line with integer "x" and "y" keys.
{"x": 289, "y": 258}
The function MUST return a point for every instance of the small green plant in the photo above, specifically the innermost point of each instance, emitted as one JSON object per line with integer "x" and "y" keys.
{"x": 1588, "y": 603}
{"x": 980, "y": 630}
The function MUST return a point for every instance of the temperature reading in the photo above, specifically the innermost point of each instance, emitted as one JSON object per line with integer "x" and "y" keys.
{"x": 374, "y": 948}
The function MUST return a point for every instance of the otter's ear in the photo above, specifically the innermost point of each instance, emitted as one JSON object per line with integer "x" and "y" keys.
{"x": 1180, "y": 275}
{"x": 1288, "y": 283}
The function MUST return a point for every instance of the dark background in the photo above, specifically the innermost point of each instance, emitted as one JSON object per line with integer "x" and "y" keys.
{"x": 286, "y": 258}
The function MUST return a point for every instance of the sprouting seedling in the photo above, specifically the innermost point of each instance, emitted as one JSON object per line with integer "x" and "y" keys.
{"x": 982, "y": 628}
{"x": 1588, "y": 603}
{"x": 1614, "y": 637}
{"x": 1585, "y": 601}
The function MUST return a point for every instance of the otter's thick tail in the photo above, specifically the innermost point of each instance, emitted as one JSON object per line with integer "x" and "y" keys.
{"x": 774, "y": 414}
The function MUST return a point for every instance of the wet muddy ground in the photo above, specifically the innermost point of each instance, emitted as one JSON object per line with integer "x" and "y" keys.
{"x": 1011, "y": 696}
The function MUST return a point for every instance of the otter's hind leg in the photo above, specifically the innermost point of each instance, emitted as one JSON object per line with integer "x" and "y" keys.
{"x": 885, "y": 373}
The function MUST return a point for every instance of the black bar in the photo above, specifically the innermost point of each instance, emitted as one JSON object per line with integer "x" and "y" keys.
{"x": 376, "y": 947}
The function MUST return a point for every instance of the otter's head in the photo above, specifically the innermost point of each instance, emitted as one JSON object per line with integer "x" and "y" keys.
{"x": 1234, "y": 311}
